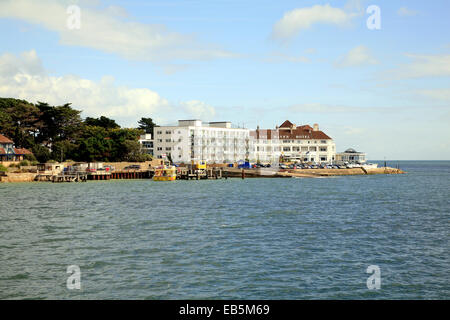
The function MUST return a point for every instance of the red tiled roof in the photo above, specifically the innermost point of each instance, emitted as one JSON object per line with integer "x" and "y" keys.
{"x": 286, "y": 124}
{"x": 2, "y": 151}
{"x": 4, "y": 139}
{"x": 22, "y": 151}
{"x": 303, "y": 132}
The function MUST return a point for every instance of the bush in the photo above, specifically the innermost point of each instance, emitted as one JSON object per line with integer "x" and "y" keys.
{"x": 34, "y": 163}
{"x": 30, "y": 157}
{"x": 51, "y": 161}
{"x": 24, "y": 163}
{"x": 41, "y": 153}
{"x": 3, "y": 168}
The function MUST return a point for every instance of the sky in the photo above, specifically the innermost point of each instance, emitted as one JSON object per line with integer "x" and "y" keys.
{"x": 376, "y": 79}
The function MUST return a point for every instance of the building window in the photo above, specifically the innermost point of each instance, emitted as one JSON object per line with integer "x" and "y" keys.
{"x": 286, "y": 149}
{"x": 168, "y": 148}
{"x": 168, "y": 132}
{"x": 158, "y": 132}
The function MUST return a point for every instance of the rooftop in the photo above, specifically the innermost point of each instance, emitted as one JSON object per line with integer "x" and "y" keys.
{"x": 4, "y": 139}
{"x": 291, "y": 131}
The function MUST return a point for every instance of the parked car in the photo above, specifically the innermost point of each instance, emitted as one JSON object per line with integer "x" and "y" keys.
{"x": 133, "y": 167}
{"x": 109, "y": 168}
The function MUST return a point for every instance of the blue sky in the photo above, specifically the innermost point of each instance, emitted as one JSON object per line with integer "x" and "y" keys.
{"x": 386, "y": 91}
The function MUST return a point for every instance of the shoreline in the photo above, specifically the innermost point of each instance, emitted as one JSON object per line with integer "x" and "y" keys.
{"x": 13, "y": 177}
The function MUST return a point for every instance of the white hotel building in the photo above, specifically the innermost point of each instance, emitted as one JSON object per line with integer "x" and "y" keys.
{"x": 218, "y": 142}
{"x": 306, "y": 144}
{"x": 215, "y": 142}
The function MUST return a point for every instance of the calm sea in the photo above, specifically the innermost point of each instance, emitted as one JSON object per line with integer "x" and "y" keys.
{"x": 230, "y": 239}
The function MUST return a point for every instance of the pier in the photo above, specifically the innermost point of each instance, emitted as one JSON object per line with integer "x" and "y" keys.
{"x": 147, "y": 174}
{"x": 190, "y": 174}
{"x": 73, "y": 177}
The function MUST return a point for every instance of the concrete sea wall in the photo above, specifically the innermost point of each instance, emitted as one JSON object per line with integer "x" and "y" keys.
{"x": 18, "y": 177}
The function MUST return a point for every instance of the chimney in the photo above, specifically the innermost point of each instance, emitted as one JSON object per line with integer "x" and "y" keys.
{"x": 316, "y": 127}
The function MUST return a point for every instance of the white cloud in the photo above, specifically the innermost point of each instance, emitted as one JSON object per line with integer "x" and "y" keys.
{"x": 23, "y": 77}
{"x": 276, "y": 57}
{"x": 327, "y": 108}
{"x": 422, "y": 66}
{"x": 405, "y": 12}
{"x": 27, "y": 63}
{"x": 358, "y": 56}
{"x": 437, "y": 94}
{"x": 311, "y": 51}
{"x": 199, "y": 109}
{"x": 297, "y": 20}
{"x": 110, "y": 30}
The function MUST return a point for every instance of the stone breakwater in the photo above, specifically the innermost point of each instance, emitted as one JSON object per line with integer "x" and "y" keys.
{"x": 313, "y": 173}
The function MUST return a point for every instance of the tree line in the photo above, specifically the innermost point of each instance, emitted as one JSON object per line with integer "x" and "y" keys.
{"x": 59, "y": 133}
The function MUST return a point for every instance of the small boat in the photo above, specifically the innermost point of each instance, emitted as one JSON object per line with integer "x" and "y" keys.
{"x": 165, "y": 173}
{"x": 370, "y": 165}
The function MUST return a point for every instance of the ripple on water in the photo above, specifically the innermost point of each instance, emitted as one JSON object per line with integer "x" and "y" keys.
{"x": 230, "y": 239}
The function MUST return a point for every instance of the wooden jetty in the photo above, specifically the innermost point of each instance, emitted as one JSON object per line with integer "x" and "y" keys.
{"x": 137, "y": 174}
{"x": 191, "y": 174}
{"x": 66, "y": 177}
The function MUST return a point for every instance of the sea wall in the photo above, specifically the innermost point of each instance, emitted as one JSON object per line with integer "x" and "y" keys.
{"x": 8, "y": 163}
{"x": 18, "y": 177}
{"x": 119, "y": 166}
{"x": 339, "y": 172}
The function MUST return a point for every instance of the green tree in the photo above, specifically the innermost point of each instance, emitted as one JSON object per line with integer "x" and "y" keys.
{"x": 19, "y": 120}
{"x": 58, "y": 123}
{"x": 62, "y": 150}
{"x": 147, "y": 125}
{"x": 103, "y": 122}
{"x": 41, "y": 153}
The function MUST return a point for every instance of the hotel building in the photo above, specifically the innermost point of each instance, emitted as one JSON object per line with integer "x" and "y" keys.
{"x": 218, "y": 142}
{"x": 146, "y": 142}
{"x": 266, "y": 146}
{"x": 305, "y": 143}
{"x": 215, "y": 142}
